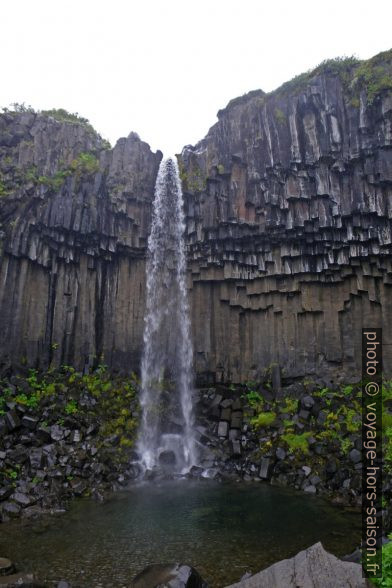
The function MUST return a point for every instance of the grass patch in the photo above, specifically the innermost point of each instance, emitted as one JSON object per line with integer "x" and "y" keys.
{"x": 297, "y": 443}
{"x": 263, "y": 419}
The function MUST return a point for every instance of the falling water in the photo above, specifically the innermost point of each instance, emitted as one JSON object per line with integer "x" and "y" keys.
{"x": 166, "y": 434}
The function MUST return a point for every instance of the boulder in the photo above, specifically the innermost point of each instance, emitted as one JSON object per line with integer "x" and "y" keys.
{"x": 169, "y": 576}
{"x": 265, "y": 466}
{"x": 312, "y": 568}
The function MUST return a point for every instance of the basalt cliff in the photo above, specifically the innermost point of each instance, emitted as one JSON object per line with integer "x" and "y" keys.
{"x": 288, "y": 204}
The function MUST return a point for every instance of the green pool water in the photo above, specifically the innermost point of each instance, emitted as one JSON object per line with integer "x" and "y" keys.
{"x": 224, "y": 530}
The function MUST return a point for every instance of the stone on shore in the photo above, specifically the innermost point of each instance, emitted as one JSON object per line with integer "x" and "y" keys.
{"x": 312, "y": 568}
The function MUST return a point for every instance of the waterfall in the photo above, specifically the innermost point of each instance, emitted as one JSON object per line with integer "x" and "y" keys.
{"x": 166, "y": 432}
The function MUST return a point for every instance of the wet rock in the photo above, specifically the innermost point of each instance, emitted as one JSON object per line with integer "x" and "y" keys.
{"x": 307, "y": 402}
{"x": 314, "y": 480}
{"x": 76, "y": 436}
{"x": 12, "y": 420}
{"x": 225, "y": 414}
{"x": 331, "y": 467}
{"x": 6, "y": 566}
{"x": 29, "y": 422}
{"x": 167, "y": 458}
{"x": 78, "y": 486}
{"x": 56, "y": 432}
{"x": 276, "y": 379}
{"x": 237, "y": 404}
{"x": 265, "y": 466}
{"x": 10, "y": 509}
{"x": 354, "y": 557}
{"x": 3, "y": 427}
{"x": 234, "y": 434}
{"x": 5, "y": 492}
{"x": 236, "y": 420}
{"x": 20, "y": 580}
{"x": 36, "y": 459}
{"x": 44, "y": 433}
{"x": 236, "y": 447}
{"x": 22, "y": 499}
{"x": 223, "y": 429}
{"x": 216, "y": 401}
{"x": 280, "y": 453}
{"x": 355, "y": 456}
{"x": 196, "y": 471}
{"x": 310, "y": 489}
{"x": 170, "y": 576}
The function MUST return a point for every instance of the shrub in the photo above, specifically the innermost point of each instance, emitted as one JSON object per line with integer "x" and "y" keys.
{"x": 263, "y": 419}
{"x": 386, "y": 580}
{"x": 63, "y": 115}
{"x": 290, "y": 406}
{"x": 297, "y": 443}
{"x": 85, "y": 163}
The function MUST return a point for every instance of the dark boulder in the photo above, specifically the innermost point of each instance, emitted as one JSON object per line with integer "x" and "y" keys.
{"x": 169, "y": 576}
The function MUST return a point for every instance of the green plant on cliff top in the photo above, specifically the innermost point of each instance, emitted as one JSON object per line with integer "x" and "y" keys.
{"x": 19, "y": 107}
{"x": 63, "y": 115}
{"x": 375, "y": 75}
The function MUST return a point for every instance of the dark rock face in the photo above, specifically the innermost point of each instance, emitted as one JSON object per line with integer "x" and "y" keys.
{"x": 169, "y": 576}
{"x": 288, "y": 205}
{"x": 289, "y": 231}
{"x": 75, "y": 218}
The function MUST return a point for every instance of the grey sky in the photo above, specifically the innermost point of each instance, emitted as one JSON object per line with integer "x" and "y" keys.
{"x": 164, "y": 68}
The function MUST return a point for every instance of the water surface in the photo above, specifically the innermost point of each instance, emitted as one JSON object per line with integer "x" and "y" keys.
{"x": 223, "y": 530}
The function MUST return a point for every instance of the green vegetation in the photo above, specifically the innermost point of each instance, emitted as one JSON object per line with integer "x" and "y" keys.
{"x": 3, "y": 191}
{"x": 279, "y": 116}
{"x": 194, "y": 180}
{"x": 297, "y": 443}
{"x": 373, "y": 75}
{"x": 55, "y": 182}
{"x": 290, "y": 405}
{"x": 85, "y": 163}
{"x": 263, "y": 419}
{"x": 19, "y": 107}
{"x": 63, "y": 115}
{"x": 339, "y": 410}
{"x": 345, "y": 445}
{"x": 96, "y": 397}
{"x": 386, "y": 580}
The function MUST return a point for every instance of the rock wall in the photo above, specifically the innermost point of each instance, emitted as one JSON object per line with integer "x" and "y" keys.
{"x": 75, "y": 218}
{"x": 288, "y": 202}
{"x": 289, "y": 206}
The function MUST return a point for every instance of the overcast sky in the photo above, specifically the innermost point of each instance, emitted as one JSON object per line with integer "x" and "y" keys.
{"x": 164, "y": 68}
